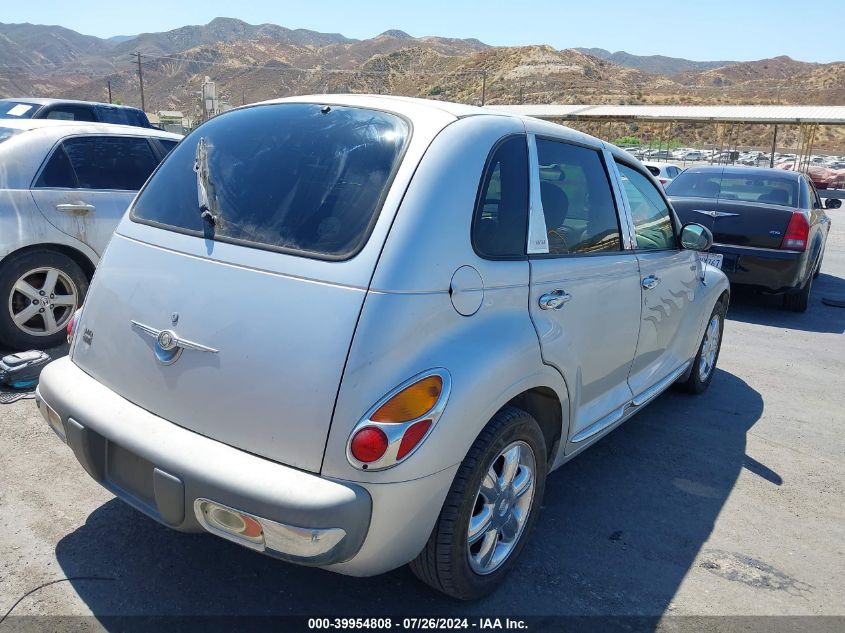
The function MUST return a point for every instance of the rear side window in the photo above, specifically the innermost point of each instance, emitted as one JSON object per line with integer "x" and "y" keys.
{"x": 57, "y": 172}
{"x": 294, "y": 177}
{"x": 501, "y": 213}
{"x": 649, "y": 211}
{"x": 104, "y": 162}
{"x": 167, "y": 144}
{"x": 577, "y": 200}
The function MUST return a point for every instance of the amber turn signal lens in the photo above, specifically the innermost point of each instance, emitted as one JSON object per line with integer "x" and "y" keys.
{"x": 412, "y": 402}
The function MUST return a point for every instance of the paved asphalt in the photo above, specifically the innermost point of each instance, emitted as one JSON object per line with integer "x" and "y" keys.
{"x": 727, "y": 503}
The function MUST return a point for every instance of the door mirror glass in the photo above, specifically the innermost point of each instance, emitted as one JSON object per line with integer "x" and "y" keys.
{"x": 832, "y": 203}
{"x": 696, "y": 237}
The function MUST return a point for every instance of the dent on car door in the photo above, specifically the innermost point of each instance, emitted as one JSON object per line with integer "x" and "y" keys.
{"x": 88, "y": 182}
{"x": 584, "y": 296}
{"x": 670, "y": 283}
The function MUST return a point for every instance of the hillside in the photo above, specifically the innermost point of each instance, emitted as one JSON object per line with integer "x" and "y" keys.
{"x": 653, "y": 64}
{"x": 255, "y": 62}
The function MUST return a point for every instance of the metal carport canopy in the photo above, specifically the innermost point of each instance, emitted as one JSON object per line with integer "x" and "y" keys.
{"x": 763, "y": 114}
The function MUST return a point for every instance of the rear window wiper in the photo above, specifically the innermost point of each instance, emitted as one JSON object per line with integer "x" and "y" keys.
{"x": 206, "y": 194}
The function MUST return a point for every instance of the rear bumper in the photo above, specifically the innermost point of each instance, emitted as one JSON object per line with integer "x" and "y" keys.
{"x": 162, "y": 470}
{"x": 767, "y": 269}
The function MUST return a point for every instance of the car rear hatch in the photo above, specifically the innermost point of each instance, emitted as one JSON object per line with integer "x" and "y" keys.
{"x": 258, "y": 300}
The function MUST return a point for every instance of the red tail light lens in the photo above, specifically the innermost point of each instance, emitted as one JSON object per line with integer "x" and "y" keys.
{"x": 663, "y": 181}
{"x": 369, "y": 444}
{"x": 71, "y": 325}
{"x": 797, "y": 233}
{"x": 412, "y": 437}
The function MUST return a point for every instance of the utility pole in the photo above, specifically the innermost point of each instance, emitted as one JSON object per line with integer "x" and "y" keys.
{"x": 141, "y": 80}
{"x": 483, "y": 86}
{"x": 774, "y": 147}
{"x": 109, "y": 90}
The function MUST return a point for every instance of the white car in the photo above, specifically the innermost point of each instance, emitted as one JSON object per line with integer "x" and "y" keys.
{"x": 358, "y": 331}
{"x": 64, "y": 186}
{"x": 664, "y": 172}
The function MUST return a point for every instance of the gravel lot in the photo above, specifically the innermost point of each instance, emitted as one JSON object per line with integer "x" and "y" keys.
{"x": 728, "y": 503}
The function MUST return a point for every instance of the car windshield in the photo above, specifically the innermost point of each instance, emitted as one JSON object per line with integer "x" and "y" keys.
{"x": 17, "y": 109}
{"x": 751, "y": 187}
{"x": 301, "y": 178}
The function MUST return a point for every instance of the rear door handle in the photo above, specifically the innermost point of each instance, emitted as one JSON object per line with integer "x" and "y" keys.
{"x": 76, "y": 208}
{"x": 554, "y": 300}
{"x": 650, "y": 282}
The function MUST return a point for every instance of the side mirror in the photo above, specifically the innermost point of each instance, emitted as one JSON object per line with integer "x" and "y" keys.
{"x": 696, "y": 237}
{"x": 832, "y": 203}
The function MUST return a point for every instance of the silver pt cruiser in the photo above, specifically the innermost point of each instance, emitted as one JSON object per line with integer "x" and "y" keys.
{"x": 360, "y": 331}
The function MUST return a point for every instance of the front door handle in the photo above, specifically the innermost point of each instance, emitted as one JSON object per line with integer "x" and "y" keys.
{"x": 554, "y": 300}
{"x": 76, "y": 208}
{"x": 650, "y": 282}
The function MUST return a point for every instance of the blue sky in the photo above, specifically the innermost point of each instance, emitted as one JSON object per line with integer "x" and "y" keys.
{"x": 695, "y": 29}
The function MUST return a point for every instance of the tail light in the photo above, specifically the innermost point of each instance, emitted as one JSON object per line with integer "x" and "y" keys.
{"x": 399, "y": 423}
{"x": 797, "y": 233}
{"x": 71, "y": 325}
{"x": 663, "y": 181}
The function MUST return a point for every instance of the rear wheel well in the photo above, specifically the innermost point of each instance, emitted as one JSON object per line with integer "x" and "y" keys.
{"x": 544, "y": 406}
{"x": 78, "y": 257}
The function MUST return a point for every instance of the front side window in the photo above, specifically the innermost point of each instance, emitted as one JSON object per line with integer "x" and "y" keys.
{"x": 100, "y": 162}
{"x": 651, "y": 215}
{"x": 578, "y": 203}
{"x": 501, "y": 214}
{"x": 296, "y": 177}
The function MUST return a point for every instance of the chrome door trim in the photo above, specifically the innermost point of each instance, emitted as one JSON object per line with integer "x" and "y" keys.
{"x": 631, "y": 407}
{"x": 601, "y": 424}
{"x": 655, "y": 390}
{"x": 626, "y": 222}
{"x": 537, "y": 232}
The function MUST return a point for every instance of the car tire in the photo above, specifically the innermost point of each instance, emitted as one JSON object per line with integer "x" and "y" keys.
{"x": 704, "y": 363}
{"x": 38, "y": 269}
{"x": 799, "y": 301}
{"x": 448, "y": 562}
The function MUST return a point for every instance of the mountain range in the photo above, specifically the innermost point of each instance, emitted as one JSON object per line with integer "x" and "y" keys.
{"x": 254, "y": 62}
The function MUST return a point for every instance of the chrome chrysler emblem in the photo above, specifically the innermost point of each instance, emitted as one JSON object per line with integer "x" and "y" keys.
{"x": 715, "y": 214}
{"x": 168, "y": 346}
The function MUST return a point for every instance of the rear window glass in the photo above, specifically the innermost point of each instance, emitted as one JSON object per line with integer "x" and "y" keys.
{"x": 655, "y": 171}
{"x": 123, "y": 116}
{"x": 293, "y": 177}
{"x": 753, "y": 187}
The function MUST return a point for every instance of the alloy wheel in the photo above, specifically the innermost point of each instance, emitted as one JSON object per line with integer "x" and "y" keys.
{"x": 502, "y": 505}
{"x": 42, "y": 301}
{"x": 709, "y": 348}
